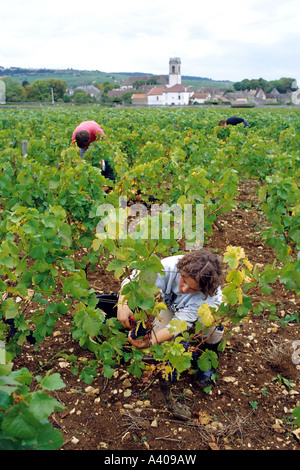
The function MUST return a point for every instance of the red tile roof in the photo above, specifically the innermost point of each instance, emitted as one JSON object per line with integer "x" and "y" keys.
{"x": 200, "y": 95}
{"x": 179, "y": 88}
{"x": 139, "y": 95}
{"x": 157, "y": 90}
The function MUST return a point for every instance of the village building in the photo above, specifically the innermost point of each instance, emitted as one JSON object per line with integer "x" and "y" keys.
{"x": 222, "y": 99}
{"x": 139, "y": 99}
{"x": 239, "y": 102}
{"x": 90, "y": 90}
{"x": 260, "y": 95}
{"x": 174, "y": 71}
{"x": 169, "y": 91}
{"x": 176, "y": 95}
{"x": 296, "y": 97}
{"x": 128, "y": 84}
{"x": 172, "y": 94}
{"x": 274, "y": 95}
{"x": 237, "y": 97}
{"x": 155, "y": 96}
{"x": 200, "y": 98}
{"x": 2, "y": 92}
{"x": 117, "y": 93}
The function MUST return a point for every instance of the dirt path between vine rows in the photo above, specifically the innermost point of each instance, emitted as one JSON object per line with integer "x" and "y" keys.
{"x": 250, "y": 406}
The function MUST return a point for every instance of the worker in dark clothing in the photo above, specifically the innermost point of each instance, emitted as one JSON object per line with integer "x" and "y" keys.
{"x": 108, "y": 172}
{"x": 233, "y": 121}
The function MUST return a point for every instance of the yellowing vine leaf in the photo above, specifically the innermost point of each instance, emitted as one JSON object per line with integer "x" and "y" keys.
{"x": 177, "y": 326}
{"x": 233, "y": 255}
{"x": 248, "y": 264}
{"x": 240, "y": 295}
{"x": 159, "y": 306}
{"x": 236, "y": 277}
{"x": 205, "y": 313}
{"x": 96, "y": 244}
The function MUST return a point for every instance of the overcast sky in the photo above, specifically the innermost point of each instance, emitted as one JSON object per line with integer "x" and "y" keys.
{"x": 222, "y": 40}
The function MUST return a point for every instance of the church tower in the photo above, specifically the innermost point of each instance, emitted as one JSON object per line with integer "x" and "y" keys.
{"x": 174, "y": 71}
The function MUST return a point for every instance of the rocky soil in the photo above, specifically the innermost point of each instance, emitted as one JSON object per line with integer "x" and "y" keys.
{"x": 249, "y": 407}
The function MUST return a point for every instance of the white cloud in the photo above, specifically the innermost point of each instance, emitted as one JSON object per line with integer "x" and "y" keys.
{"x": 221, "y": 40}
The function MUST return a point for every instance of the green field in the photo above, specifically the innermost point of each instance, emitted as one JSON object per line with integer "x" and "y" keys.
{"x": 51, "y": 205}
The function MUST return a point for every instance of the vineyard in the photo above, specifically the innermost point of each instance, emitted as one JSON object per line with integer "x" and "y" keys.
{"x": 69, "y": 379}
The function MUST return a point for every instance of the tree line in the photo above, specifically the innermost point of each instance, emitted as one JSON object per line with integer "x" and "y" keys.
{"x": 53, "y": 89}
{"x": 39, "y": 90}
{"x": 282, "y": 85}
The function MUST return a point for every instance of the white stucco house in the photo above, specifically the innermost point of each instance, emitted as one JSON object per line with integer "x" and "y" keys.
{"x": 155, "y": 96}
{"x": 2, "y": 92}
{"x": 172, "y": 94}
{"x": 200, "y": 98}
{"x": 176, "y": 95}
{"x": 296, "y": 94}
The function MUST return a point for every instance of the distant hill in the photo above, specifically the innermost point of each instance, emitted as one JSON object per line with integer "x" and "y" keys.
{"x": 75, "y": 77}
{"x": 71, "y": 76}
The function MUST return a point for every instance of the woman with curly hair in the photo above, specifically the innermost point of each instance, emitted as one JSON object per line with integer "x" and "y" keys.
{"x": 188, "y": 281}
